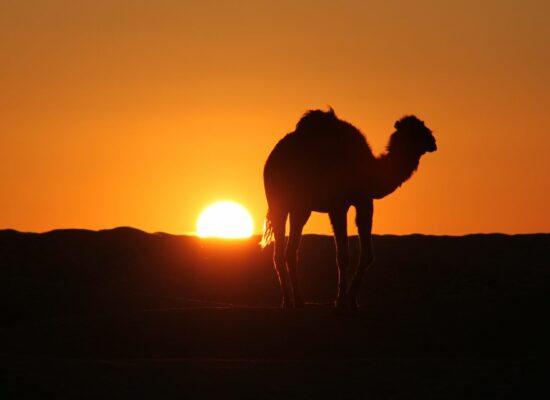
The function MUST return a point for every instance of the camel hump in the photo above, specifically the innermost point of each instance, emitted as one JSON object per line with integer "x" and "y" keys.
{"x": 317, "y": 121}
{"x": 325, "y": 128}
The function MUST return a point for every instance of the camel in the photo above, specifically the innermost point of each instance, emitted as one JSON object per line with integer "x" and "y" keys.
{"x": 327, "y": 166}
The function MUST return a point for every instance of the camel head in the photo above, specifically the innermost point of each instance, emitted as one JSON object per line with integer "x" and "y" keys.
{"x": 411, "y": 137}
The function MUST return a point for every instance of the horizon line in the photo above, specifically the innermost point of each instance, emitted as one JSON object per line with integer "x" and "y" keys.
{"x": 194, "y": 234}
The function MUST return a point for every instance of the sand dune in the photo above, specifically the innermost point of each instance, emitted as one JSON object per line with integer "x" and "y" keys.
{"x": 125, "y": 313}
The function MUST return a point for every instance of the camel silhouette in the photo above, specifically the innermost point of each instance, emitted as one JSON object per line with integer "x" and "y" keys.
{"x": 326, "y": 165}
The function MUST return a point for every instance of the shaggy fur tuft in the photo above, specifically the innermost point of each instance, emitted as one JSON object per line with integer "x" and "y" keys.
{"x": 268, "y": 235}
{"x": 316, "y": 121}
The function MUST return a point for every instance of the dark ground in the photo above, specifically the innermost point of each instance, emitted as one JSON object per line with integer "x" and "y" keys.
{"x": 124, "y": 314}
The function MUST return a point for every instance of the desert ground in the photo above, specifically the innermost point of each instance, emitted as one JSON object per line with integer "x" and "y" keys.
{"x": 123, "y": 313}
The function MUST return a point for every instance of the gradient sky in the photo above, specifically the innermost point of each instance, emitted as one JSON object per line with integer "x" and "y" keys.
{"x": 142, "y": 113}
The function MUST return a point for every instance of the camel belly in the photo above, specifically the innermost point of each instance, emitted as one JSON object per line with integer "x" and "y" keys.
{"x": 320, "y": 195}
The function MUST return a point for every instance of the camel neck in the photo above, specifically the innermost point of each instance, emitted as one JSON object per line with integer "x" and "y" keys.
{"x": 392, "y": 170}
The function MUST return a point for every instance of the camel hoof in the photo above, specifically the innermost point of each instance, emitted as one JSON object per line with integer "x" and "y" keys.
{"x": 346, "y": 303}
{"x": 298, "y": 303}
{"x": 342, "y": 305}
{"x": 287, "y": 305}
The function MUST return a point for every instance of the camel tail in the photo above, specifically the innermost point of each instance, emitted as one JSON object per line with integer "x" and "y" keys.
{"x": 268, "y": 234}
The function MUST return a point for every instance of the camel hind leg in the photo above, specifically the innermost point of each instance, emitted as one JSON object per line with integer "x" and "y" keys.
{"x": 297, "y": 221}
{"x": 278, "y": 221}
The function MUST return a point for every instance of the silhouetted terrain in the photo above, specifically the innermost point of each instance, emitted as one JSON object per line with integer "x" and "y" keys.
{"x": 133, "y": 313}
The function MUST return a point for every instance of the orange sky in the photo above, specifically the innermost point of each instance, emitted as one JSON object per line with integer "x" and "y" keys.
{"x": 142, "y": 113}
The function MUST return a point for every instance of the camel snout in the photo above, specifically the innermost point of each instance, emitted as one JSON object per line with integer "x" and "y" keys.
{"x": 432, "y": 147}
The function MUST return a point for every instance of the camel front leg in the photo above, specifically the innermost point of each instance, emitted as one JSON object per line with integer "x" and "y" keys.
{"x": 363, "y": 220}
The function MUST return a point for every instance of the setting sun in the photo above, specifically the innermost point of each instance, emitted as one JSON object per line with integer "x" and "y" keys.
{"x": 225, "y": 219}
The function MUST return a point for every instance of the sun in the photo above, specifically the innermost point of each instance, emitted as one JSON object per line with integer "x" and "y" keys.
{"x": 225, "y": 219}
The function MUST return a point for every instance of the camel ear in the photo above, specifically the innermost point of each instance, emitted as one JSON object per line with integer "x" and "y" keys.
{"x": 397, "y": 124}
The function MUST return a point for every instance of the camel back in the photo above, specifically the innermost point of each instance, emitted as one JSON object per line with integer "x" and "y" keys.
{"x": 325, "y": 129}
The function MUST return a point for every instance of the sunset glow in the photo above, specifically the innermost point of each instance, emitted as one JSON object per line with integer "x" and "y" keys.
{"x": 130, "y": 113}
{"x": 225, "y": 219}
